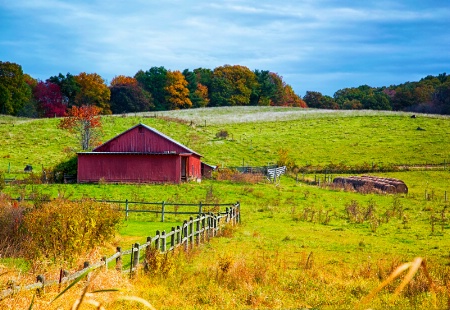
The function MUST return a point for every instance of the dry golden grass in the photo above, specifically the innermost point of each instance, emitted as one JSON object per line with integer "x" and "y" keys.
{"x": 210, "y": 277}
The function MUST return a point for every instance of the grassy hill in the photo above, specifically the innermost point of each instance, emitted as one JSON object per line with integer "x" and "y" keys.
{"x": 298, "y": 246}
{"x": 255, "y": 135}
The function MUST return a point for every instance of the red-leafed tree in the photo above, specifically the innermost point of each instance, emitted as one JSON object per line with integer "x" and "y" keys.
{"x": 50, "y": 99}
{"x": 85, "y": 122}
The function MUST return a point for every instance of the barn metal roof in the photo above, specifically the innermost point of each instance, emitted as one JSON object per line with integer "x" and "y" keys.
{"x": 150, "y": 129}
{"x": 133, "y": 153}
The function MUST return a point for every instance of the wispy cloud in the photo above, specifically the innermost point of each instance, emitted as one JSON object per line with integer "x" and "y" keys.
{"x": 315, "y": 44}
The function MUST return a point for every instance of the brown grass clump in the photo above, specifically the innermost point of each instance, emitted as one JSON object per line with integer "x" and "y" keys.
{"x": 238, "y": 177}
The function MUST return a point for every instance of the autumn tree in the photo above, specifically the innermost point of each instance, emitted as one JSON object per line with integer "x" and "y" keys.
{"x": 123, "y": 80}
{"x": 85, "y": 123}
{"x": 49, "y": 99}
{"x": 93, "y": 91}
{"x": 291, "y": 99}
{"x": 232, "y": 86}
{"x": 14, "y": 91}
{"x": 177, "y": 93}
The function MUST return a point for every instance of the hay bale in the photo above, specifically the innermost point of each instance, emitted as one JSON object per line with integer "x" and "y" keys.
{"x": 387, "y": 185}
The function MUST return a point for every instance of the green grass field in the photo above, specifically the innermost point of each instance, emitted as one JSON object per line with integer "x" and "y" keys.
{"x": 297, "y": 246}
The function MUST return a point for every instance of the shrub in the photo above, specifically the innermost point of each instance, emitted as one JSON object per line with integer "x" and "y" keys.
{"x": 11, "y": 217}
{"x": 62, "y": 230}
{"x": 222, "y": 134}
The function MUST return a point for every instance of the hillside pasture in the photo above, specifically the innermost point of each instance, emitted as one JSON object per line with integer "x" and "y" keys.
{"x": 299, "y": 245}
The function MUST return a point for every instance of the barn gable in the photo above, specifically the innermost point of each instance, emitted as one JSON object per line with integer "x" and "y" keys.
{"x": 144, "y": 139}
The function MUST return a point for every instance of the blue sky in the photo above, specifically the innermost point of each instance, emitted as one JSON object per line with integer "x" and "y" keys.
{"x": 319, "y": 45}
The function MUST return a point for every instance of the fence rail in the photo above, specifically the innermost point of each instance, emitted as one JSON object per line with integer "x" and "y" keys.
{"x": 193, "y": 232}
{"x": 199, "y": 207}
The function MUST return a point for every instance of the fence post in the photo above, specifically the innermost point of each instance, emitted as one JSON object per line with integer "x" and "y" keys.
{"x": 191, "y": 231}
{"x": 197, "y": 228}
{"x": 163, "y": 207}
{"x": 131, "y": 260}
{"x": 185, "y": 235}
{"x": 239, "y": 212}
{"x": 41, "y": 279}
{"x": 210, "y": 233}
{"x": 227, "y": 211}
{"x": 126, "y": 209}
{"x": 172, "y": 238}
{"x": 119, "y": 258}
{"x": 164, "y": 243}
{"x": 203, "y": 227}
{"x": 178, "y": 232}
{"x": 233, "y": 215}
{"x": 158, "y": 240}
{"x": 86, "y": 264}
{"x": 200, "y": 208}
{"x": 136, "y": 255}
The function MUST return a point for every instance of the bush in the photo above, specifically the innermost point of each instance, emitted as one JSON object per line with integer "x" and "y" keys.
{"x": 11, "y": 217}
{"x": 222, "y": 134}
{"x": 62, "y": 230}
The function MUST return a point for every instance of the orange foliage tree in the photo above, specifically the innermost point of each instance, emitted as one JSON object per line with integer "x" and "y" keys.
{"x": 93, "y": 91}
{"x": 85, "y": 122}
{"x": 123, "y": 80}
{"x": 202, "y": 94}
{"x": 291, "y": 99}
{"x": 177, "y": 92}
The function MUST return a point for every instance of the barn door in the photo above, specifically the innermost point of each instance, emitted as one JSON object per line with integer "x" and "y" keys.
{"x": 183, "y": 168}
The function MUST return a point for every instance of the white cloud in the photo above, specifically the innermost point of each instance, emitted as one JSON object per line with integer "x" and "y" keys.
{"x": 307, "y": 42}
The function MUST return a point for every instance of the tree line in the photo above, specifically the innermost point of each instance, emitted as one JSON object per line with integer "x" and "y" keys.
{"x": 159, "y": 89}
{"x": 156, "y": 89}
{"x": 429, "y": 95}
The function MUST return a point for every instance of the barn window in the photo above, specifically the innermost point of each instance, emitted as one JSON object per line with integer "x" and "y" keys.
{"x": 141, "y": 130}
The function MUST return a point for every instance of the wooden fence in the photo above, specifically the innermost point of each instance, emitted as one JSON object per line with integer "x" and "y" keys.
{"x": 193, "y": 232}
{"x": 162, "y": 208}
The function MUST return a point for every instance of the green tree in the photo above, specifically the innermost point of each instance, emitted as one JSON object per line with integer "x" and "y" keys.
{"x": 15, "y": 93}
{"x": 313, "y": 98}
{"x": 441, "y": 98}
{"x": 198, "y": 92}
{"x": 154, "y": 81}
{"x": 266, "y": 90}
{"x": 126, "y": 98}
{"x": 69, "y": 87}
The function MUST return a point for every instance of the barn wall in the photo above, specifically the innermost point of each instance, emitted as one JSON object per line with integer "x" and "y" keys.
{"x": 207, "y": 171}
{"x": 142, "y": 140}
{"x": 194, "y": 167}
{"x": 129, "y": 168}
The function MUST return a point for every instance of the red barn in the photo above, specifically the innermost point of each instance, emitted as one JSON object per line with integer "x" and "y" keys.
{"x": 140, "y": 154}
